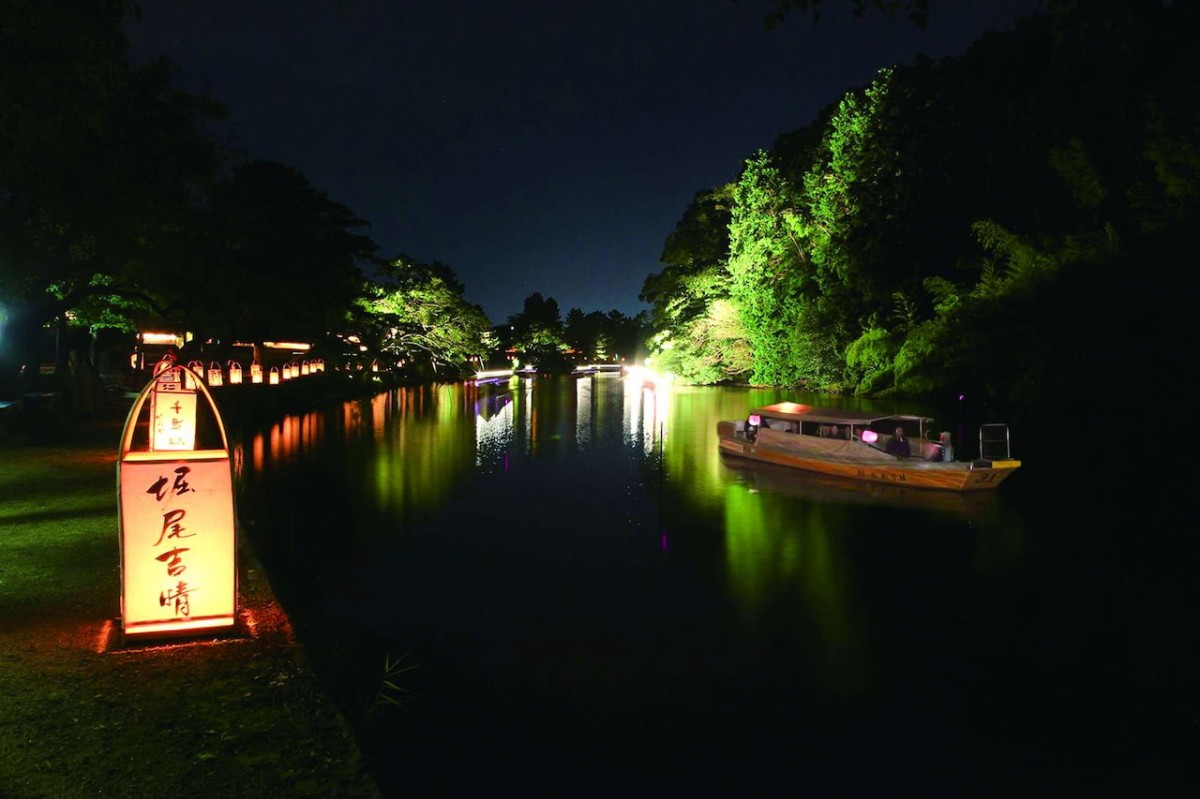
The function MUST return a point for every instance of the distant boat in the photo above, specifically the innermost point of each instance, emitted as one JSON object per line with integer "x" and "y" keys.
{"x": 494, "y": 376}
{"x": 598, "y": 369}
{"x": 857, "y": 445}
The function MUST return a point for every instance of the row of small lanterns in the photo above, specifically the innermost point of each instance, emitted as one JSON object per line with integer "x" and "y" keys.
{"x": 215, "y": 376}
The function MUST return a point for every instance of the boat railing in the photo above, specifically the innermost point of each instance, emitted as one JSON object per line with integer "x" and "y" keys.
{"x": 994, "y": 443}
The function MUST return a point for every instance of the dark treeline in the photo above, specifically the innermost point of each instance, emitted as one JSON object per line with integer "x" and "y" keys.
{"x": 1014, "y": 224}
{"x": 122, "y": 210}
{"x": 541, "y": 337}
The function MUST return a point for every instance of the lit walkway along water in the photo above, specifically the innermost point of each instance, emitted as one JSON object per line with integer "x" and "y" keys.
{"x": 591, "y": 593}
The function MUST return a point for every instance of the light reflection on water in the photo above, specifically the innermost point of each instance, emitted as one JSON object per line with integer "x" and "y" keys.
{"x": 584, "y": 580}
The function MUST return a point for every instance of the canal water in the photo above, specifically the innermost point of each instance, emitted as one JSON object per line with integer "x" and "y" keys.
{"x": 577, "y": 594}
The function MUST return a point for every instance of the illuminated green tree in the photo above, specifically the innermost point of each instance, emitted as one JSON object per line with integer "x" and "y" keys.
{"x": 709, "y": 347}
{"x": 417, "y": 314}
{"x": 771, "y": 273}
{"x": 696, "y": 330}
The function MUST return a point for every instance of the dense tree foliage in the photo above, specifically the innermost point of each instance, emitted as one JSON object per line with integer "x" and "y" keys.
{"x": 536, "y": 333}
{"x": 281, "y": 260}
{"x": 417, "y": 315}
{"x": 539, "y": 336}
{"x": 101, "y": 165}
{"x": 118, "y": 209}
{"x": 696, "y": 331}
{"x": 943, "y": 229}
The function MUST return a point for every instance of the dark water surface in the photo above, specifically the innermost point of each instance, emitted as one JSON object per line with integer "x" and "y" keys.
{"x": 597, "y": 602}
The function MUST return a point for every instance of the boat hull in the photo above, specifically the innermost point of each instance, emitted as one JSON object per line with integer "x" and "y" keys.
{"x": 954, "y": 476}
{"x": 827, "y": 489}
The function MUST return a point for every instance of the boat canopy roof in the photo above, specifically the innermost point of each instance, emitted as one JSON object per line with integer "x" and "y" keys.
{"x": 797, "y": 412}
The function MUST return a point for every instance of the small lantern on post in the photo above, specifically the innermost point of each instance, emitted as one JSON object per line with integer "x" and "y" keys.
{"x": 255, "y": 372}
{"x": 235, "y": 373}
{"x": 304, "y": 368}
{"x": 274, "y": 376}
{"x": 215, "y": 376}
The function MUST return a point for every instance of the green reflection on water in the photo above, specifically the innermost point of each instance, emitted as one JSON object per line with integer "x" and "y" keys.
{"x": 778, "y": 549}
{"x": 426, "y": 445}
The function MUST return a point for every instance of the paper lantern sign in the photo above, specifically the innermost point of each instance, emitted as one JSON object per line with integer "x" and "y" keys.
{"x": 274, "y": 379}
{"x": 172, "y": 409}
{"x": 255, "y": 372}
{"x": 214, "y": 374}
{"x": 235, "y": 373}
{"x": 178, "y": 539}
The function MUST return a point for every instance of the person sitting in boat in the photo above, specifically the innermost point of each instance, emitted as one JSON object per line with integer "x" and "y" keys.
{"x": 947, "y": 451}
{"x": 898, "y": 444}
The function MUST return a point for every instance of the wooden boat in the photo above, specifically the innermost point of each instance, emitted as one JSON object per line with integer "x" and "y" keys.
{"x": 858, "y": 445}
{"x": 828, "y": 490}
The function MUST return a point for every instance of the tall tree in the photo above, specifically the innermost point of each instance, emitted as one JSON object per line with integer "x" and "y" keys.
{"x": 283, "y": 260}
{"x": 772, "y": 279}
{"x": 699, "y": 242}
{"x": 537, "y": 332}
{"x": 586, "y": 334}
{"x": 418, "y": 315}
{"x": 101, "y": 165}
{"x": 695, "y": 333}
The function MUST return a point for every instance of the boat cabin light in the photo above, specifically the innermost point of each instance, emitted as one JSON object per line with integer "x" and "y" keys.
{"x": 870, "y": 436}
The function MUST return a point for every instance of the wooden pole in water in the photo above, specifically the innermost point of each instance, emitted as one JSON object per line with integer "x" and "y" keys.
{"x": 660, "y": 479}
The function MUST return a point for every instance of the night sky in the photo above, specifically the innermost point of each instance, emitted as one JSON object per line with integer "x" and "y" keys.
{"x": 546, "y": 146}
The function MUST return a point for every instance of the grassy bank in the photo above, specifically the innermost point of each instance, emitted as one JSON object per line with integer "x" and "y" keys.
{"x": 241, "y": 715}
